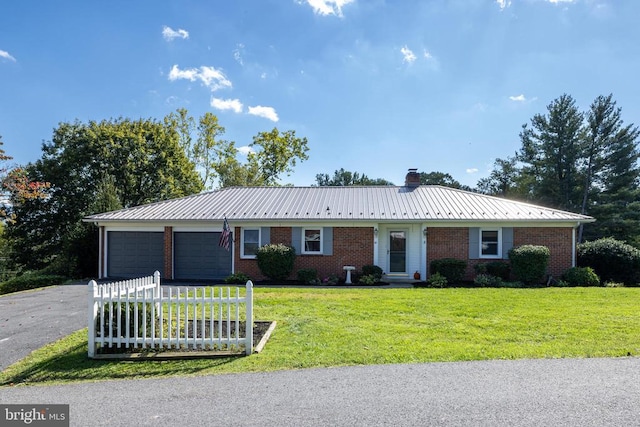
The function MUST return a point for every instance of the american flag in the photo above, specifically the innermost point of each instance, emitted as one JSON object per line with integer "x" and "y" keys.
{"x": 225, "y": 237}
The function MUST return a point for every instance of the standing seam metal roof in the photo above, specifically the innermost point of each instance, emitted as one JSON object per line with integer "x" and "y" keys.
{"x": 379, "y": 203}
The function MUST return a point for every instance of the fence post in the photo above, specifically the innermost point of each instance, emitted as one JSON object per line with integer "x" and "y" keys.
{"x": 249, "y": 327}
{"x": 92, "y": 319}
{"x": 156, "y": 280}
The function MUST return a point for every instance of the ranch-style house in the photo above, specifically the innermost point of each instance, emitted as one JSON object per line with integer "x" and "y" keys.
{"x": 399, "y": 228}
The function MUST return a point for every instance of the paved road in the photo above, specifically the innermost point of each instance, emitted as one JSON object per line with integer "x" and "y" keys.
{"x": 566, "y": 392}
{"x": 29, "y": 320}
{"x": 578, "y": 392}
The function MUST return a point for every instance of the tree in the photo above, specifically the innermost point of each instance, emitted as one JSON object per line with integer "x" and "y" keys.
{"x": 85, "y": 164}
{"x": 609, "y": 159}
{"x": 550, "y": 153}
{"x": 210, "y": 152}
{"x": 15, "y": 185}
{"x": 343, "y": 178}
{"x": 503, "y": 180}
{"x": 439, "y": 178}
{"x": 278, "y": 153}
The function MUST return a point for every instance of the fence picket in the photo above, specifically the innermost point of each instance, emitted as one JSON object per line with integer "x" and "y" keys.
{"x": 134, "y": 313}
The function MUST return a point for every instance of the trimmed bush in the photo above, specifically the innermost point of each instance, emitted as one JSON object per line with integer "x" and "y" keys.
{"x": 529, "y": 263}
{"x": 30, "y": 280}
{"x": 451, "y": 268}
{"x": 237, "y": 279}
{"x": 581, "y": 276}
{"x": 276, "y": 260}
{"x": 487, "y": 280}
{"x": 372, "y": 270}
{"x": 612, "y": 260}
{"x": 308, "y": 276}
{"x": 437, "y": 280}
{"x": 367, "y": 279}
{"x": 499, "y": 269}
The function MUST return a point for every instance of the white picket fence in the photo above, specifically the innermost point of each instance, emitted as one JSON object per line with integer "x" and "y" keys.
{"x": 139, "y": 313}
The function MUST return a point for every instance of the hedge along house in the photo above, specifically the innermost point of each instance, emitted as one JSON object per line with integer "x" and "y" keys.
{"x": 399, "y": 228}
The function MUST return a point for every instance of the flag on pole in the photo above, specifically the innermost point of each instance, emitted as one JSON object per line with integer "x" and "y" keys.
{"x": 225, "y": 237}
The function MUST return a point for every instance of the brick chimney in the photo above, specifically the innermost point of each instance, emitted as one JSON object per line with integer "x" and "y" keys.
{"x": 412, "y": 179}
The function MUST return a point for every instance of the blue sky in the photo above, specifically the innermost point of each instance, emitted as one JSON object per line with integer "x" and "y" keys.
{"x": 377, "y": 86}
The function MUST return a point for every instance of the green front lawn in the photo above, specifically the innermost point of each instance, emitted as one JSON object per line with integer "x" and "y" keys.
{"x": 337, "y": 327}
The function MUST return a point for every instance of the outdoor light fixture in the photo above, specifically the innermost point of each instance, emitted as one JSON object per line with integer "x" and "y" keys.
{"x": 424, "y": 232}
{"x": 375, "y": 231}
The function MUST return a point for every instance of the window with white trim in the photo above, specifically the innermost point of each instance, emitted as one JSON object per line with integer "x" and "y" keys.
{"x": 491, "y": 243}
{"x": 312, "y": 240}
{"x": 250, "y": 242}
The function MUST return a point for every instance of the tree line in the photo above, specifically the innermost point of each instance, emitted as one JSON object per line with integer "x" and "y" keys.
{"x": 584, "y": 162}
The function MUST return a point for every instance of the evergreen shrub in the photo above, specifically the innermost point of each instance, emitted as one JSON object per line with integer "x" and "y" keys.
{"x": 276, "y": 260}
{"x": 612, "y": 260}
{"x": 529, "y": 263}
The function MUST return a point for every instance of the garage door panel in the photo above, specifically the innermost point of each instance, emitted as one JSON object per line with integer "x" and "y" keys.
{"x": 134, "y": 253}
{"x": 198, "y": 256}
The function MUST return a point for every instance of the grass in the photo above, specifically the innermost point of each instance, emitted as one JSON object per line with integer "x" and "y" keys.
{"x": 336, "y": 327}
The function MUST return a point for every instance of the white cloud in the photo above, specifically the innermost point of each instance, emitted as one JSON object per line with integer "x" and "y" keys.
{"x": 327, "y": 7}
{"x": 561, "y": 1}
{"x": 209, "y": 76}
{"x": 237, "y": 53}
{"x": 227, "y": 104}
{"x": 245, "y": 150}
{"x": 503, "y": 4}
{"x": 4, "y": 54}
{"x": 266, "y": 112}
{"x": 518, "y": 98}
{"x": 408, "y": 55}
{"x": 169, "y": 33}
{"x": 472, "y": 170}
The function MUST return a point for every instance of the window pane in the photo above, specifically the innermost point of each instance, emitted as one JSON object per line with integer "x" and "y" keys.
{"x": 312, "y": 240}
{"x": 251, "y": 242}
{"x": 490, "y": 243}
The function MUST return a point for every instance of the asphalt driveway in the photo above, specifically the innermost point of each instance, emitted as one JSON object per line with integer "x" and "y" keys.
{"x": 31, "y": 319}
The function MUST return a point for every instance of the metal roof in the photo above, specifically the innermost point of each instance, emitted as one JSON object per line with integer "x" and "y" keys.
{"x": 367, "y": 203}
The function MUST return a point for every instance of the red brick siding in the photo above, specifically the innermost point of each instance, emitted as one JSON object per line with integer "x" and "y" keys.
{"x": 558, "y": 240}
{"x": 168, "y": 253}
{"x": 351, "y": 246}
{"x": 450, "y": 242}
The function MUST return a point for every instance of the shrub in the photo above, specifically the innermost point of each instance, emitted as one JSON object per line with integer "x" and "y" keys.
{"x": 30, "y": 280}
{"x": 487, "y": 280}
{"x": 437, "y": 280}
{"x": 581, "y": 276}
{"x": 332, "y": 279}
{"x": 237, "y": 279}
{"x": 529, "y": 263}
{"x": 451, "y": 268}
{"x": 367, "y": 279}
{"x": 499, "y": 269}
{"x": 276, "y": 260}
{"x": 611, "y": 259}
{"x": 372, "y": 270}
{"x": 308, "y": 276}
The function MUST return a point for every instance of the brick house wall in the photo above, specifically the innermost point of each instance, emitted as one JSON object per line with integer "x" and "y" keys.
{"x": 454, "y": 243}
{"x": 558, "y": 240}
{"x": 351, "y": 246}
{"x": 450, "y": 242}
